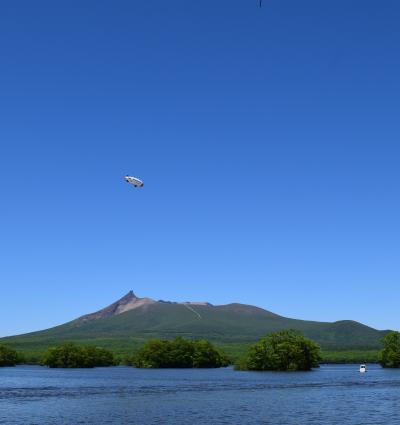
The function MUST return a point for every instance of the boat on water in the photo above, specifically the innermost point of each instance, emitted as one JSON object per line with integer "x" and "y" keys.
{"x": 363, "y": 368}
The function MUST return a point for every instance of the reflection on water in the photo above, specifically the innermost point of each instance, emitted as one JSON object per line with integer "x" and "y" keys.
{"x": 122, "y": 395}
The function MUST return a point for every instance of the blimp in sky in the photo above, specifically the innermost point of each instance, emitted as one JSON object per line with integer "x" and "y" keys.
{"x": 134, "y": 180}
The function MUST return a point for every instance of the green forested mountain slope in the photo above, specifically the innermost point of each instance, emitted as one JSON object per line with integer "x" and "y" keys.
{"x": 131, "y": 320}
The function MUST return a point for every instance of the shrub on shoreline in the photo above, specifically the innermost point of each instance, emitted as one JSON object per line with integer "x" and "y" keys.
{"x": 8, "y": 356}
{"x": 390, "y": 355}
{"x": 281, "y": 351}
{"x": 69, "y": 355}
{"x": 178, "y": 353}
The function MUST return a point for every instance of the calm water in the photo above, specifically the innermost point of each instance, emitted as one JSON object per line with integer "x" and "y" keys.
{"x": 122, "y": 395}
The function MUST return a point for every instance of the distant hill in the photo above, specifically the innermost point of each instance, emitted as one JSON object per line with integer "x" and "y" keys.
{"x": 131, "y": 320}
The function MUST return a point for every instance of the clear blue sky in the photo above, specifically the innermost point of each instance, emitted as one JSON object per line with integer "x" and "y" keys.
{"x": 268, "y": 140}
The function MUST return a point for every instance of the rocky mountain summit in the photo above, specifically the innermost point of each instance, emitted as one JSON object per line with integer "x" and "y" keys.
{"x": 128, "y": 302}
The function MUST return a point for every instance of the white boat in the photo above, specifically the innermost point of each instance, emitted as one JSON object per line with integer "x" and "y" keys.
{"x": 363, "y": 368}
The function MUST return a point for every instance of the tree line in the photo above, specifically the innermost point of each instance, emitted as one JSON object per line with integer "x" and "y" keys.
{"x": 178, "y": 353}
{"x": 286, "y": 350}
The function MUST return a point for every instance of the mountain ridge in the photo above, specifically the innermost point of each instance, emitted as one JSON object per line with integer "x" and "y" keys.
{"x": 132, "y": 319}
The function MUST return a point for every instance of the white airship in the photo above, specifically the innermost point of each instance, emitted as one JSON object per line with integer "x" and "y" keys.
{"x": 134, "y": 180}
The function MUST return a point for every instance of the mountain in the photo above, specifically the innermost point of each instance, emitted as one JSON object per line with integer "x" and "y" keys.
{"x": 131, "y": 320}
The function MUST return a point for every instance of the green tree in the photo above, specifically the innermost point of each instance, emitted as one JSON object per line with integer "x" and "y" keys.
{"x": 181, "y": 353}
{"x": 390, "y": 355}
{"x": 69, "y": 355}
{"x": 178, "y": 353}
{"x": 206, "y": 355}
{"x": 8, "y": 356}
{"x": 154, "y": 354}
{"x": 281, "y": 351}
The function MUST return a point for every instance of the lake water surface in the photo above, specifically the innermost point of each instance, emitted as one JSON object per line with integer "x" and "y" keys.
{"x": 122, "y": 395}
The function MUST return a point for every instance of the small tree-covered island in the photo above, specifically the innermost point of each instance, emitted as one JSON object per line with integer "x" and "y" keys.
{"x": 286, "y": 350}
{"x": 281, "y": 351}
{"x": 70, "y": 355}
{"x": 8, "y": 356}
{"x": 178, "y": 353}
{"x": 390, "y": 355}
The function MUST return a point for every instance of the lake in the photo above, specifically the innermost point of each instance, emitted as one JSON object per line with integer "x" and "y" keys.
{"x": 336, "y": 394}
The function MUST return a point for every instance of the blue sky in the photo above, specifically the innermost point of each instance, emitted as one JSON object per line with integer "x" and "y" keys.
{"x": 268, "y": 140}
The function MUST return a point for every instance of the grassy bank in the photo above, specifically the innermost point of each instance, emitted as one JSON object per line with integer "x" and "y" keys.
{"x": 350, "y": 356}
{"x": 32, "y": 351}
{"x": 235, "y": 351}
